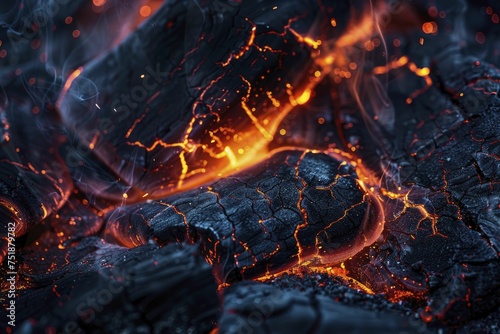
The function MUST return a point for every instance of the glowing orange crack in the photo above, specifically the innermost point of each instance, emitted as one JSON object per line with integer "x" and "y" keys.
{"x": 419, "y": 207}
{"x": 255, "y": 120}
{"x": 302, "y": 210}
{"x": 423, "y": 72}
{"x": 245, "y": 49}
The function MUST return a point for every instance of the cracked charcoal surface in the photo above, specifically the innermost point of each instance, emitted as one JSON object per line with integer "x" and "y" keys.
{"x": 251, "y": 223}
{"x": 187, "y": 90}
{"x": 431, "y": 158}
{"x": 446, "y": 153}
{"x": 454, "y": 257}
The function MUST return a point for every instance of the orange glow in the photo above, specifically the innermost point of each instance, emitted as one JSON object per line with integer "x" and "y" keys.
{"x": 230, "y": 155}
{"x": 421, "y": 72}
{"x": 266, "y": 134}
{"x": 302, "y": 99}
{"x": 391, "y": 66}
{"x": 145, "y": 11}
{"x": 45, "y": 212}
{"x": 310, "y": 268}
{"x": 403, "y": 61}
{"x": 245, "y": 49}
{"x": 369, "y": 46}
{"x": 358, "y": 31}
{"x": 336, "y": 55}
{"x": 71, "y": 78}
{"x": 16, "y": 214}
{"x": 430, "y": 27}
{"x": 94, "y": 141}
{"x": 99, "y": 3}
{"x": 250, "y": 144}
{"x": 225, "y": 148}
{"x": 275, "y": 102}
{"x": 403, "y": 196}
{"x": 307, "y": 40}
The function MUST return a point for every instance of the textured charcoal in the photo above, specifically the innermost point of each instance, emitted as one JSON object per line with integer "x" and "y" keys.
{"x": 441, "y": 240}
{"x": 451, "y": 251}
{"x": 107, "y": 289}
{"x": 117, "y": 164}
{"x": 261, "y": 308}
{"x": 251, "y": 223}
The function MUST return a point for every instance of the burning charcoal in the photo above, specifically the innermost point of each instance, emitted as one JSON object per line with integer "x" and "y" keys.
{"x": 297, "y": 207}
{"x": 194, "y": 92}
{"x": 312, "y": 125}
{"x": 345, "y": 154}
{"x": 439, "y": 176}
{"x": 440, "y": 236}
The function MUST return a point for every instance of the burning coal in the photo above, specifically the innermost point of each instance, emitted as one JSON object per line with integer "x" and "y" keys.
{"x": 348, "y": 146}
